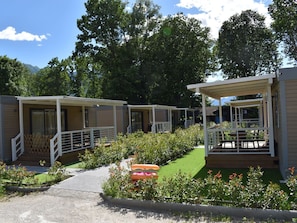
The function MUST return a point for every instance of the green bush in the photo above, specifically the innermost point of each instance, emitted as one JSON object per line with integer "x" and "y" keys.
{"x": 292, "y": 185}
{"x": 181, "y": 188}
{"x": 20, "y": 176}
{"x": 147, "y": 148}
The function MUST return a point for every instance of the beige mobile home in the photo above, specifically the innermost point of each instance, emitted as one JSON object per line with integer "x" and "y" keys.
{"x": 9, "y": 125}
{"x": 285, "y": 118}
{"x": 270, "y": 141}
{"x": 52, "y": 127}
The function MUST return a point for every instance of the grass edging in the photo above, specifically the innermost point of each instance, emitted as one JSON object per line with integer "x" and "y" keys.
{"x": 250, "y": 213}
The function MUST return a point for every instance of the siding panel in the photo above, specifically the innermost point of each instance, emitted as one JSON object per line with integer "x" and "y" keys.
{"x": 291, "y": 102}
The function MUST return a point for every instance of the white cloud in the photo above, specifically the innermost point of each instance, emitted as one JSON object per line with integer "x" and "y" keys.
{"x": 212, "y": 13}
{"x": 10, "y": 34}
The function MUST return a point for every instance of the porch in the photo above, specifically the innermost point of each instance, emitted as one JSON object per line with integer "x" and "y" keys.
{"x": 244, "y": 141}
{"x": 33, "y": 143}
{"x": 46, "y": 147}
{"x": 150, "y": 118}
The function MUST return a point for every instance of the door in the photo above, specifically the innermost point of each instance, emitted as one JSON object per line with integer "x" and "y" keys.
{"x": 137, "y": 121}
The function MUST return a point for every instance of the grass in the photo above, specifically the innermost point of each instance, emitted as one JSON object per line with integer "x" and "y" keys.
{"x": 44, "y": 178}
{"x": 190, "y": 163}
{"x": 75, "y": 165}
{"x": 194, "y": 164}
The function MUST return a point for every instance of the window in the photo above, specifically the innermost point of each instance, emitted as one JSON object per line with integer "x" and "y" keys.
{"x": 44, "y": 121}
{"x": 137, "y": 120}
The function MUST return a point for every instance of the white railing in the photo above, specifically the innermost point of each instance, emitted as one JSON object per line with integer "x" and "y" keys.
{"x": 54, "y": 149}
{"x": 238, "y": 140}
{"x": 69, "y": 141}
{"x": 189, "y": 122}
{"x": 72, "y": 141}
{"x": 85, "y": 139}
{"x": 161, "y": 127}
{"x": 17, "y": 147}
{"x": 129, "y": 129}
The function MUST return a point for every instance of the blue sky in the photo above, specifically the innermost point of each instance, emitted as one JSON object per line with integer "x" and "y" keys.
{"x": 35, "y": 31}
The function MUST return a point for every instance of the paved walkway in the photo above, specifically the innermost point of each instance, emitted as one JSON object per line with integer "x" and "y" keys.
{"x": 87, "y": 180}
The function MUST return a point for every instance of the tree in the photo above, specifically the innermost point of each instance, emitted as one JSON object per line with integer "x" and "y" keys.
{"x": 284, "y": 14}
{"x": 54, "y": 79}
{"x": 13, "y": 77}
{"x": 86, "y": 78}
{"x": 115, "y": 38}
{"x": 178, "y": 55}
{"x": 246, "y": 47}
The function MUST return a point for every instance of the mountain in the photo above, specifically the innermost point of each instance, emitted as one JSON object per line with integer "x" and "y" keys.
{"x": 32, "y": 69}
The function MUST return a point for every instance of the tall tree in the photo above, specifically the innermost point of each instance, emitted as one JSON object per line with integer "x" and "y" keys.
{"x": 13, "y": 77}
{"x": 179, "y": 54}
{"x": 246, "y": 47}
{"x": 86, "y": 77}
{"x": 114, "y": 37}
{"x": 54, "y": 79}
{"x": 284, "y": 14}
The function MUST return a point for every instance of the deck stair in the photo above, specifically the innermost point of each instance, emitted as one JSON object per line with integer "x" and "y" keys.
{"x": 241, "y": 161}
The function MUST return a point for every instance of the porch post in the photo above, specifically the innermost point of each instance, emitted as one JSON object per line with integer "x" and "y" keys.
{"x": 261, "y": 115}
{"x": 236, "y": 116}
{"x": 220, "y": 111}
{"x": 186, "y": 119}
{"x": 59, "y": 129}
{"x": 270, "y": 121}
{"x": 204, "y": 125}
{"x": 170, "y": 117}
{"x": 83, "y": 116}
{"x": 154, "y": 120}
{"x": 115, "y": 121}
{"x": 21, "y": 120}
{"x": 265, "y": 112}
{"x": 231, "y": 116}
{"x": 129, "y": 130}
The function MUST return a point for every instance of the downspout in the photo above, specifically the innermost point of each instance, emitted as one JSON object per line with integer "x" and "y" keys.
{"x": 204, "y": 125}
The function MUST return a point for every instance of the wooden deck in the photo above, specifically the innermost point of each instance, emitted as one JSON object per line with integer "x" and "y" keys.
{"x": 241, "y": 161}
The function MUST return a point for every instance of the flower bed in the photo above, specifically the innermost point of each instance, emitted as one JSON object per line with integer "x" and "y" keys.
{"x": 209, "y": 191}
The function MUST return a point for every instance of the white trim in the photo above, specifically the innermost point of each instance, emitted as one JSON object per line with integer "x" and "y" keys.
{"x": 195, "y": 87}
{"x": 59, "y": 127}
{"x": 205, "y": 125}
{"x": 115, "y": 120}
{"x": 69, "y": 100}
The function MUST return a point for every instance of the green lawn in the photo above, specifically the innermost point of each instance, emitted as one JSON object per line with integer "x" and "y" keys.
{"x": 191, "y": 163}
{"x": 194, "y": 164}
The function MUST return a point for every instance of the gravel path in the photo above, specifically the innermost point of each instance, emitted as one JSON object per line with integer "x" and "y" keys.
{"x": 75, "y": 200}
{"x": 59, "y": 205}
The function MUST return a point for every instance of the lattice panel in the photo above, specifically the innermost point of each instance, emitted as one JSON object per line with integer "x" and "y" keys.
{"x": 37, "y": 144}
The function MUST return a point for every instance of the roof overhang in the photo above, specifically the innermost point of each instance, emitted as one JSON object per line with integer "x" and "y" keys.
{"x": 70, "y": 101}
{"x": 234, "y": 87}
{"x": 150, "y": 107}
{"x": 246, "y": 103}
